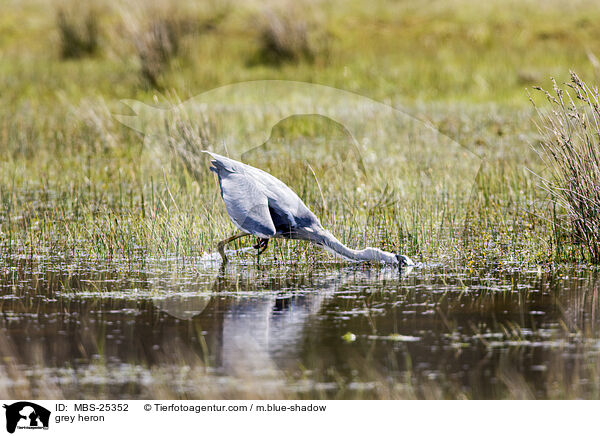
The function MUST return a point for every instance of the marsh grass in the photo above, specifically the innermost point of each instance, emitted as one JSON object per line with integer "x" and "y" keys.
{"x": 101, "y": 200}
{"x": 156, "y": 46}
{"x": 571, "y": 151}
{"x": 287, "y": 36}
{"x": 161, "y": 31}
{"x": 79, "y": 31}
{"x": 74, "y": 182}
{"x": 284, "y": 38}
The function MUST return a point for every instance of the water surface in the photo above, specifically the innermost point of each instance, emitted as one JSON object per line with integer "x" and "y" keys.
{"x": 185, "y": 328}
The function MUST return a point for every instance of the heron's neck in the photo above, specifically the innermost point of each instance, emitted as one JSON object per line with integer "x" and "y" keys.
{"x": 368, "y": 254}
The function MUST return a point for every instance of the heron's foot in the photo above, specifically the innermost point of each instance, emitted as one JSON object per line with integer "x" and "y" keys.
{"x": 262, "y": 245}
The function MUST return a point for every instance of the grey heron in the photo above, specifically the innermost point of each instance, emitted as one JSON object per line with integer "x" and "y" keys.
{"x": 259, "y": 204}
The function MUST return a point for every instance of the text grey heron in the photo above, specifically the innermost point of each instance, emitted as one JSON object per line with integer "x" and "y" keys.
{"x": 262, "y": 205}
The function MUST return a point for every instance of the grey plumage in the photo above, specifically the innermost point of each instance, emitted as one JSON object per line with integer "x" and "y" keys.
{"x": 262, "y": 205}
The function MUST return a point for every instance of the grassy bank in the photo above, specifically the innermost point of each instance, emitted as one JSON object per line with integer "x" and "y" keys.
{"x": 74, "y": 182}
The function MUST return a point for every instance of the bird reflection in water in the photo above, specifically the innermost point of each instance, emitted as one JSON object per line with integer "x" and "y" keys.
{"x": 255, "y": 324}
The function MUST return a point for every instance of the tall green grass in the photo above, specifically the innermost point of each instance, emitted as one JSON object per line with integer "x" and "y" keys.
{"x": 102, "y": 199}
{"x": 571, "y": 151}
{"x": 75, "y": 182}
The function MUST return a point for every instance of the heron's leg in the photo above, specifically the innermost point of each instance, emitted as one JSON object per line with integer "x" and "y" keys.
{"x": 221, "y": 245}
{"x": 261, "y": 246}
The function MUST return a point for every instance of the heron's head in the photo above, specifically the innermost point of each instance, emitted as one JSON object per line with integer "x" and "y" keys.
{"x": 404, "y": 261}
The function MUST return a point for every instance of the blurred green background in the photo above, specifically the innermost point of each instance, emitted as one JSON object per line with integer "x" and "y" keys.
{"x": 453, "y": 50}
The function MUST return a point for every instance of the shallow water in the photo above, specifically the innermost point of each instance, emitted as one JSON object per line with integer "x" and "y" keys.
{"x": 189, "y": 329}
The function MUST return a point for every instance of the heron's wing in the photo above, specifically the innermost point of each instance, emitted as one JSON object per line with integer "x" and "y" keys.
{"x": 246, "y": 204}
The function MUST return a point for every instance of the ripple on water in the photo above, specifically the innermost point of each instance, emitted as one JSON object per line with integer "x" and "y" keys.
{"x": 174, "y": 326}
